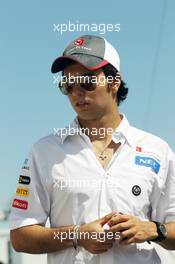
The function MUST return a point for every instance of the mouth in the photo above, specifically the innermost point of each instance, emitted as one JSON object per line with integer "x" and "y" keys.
{"x": 82, "y": 103}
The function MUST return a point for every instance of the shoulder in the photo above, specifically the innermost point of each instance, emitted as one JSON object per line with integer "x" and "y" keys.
{"x": 151, "y": 144}
{"x": 47, "y": 143}
{"x": 144, "y": 135}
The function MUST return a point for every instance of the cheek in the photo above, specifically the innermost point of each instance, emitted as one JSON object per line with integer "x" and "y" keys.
{"x": 101, "y": 96}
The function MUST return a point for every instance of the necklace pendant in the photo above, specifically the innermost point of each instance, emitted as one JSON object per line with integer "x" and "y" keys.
{"x": 102, "y": 157}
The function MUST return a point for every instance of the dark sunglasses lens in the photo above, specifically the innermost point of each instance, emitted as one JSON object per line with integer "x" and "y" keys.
{"x": 88, "y": 83}
{"x": 63, "y": 88}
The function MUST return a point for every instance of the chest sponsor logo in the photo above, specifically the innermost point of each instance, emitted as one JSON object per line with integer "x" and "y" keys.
{"x": 22, "y": 192}
{"x": 21, "y": 204}
{"x": 138, "y": 149}
{"x": 148, "y": 162}
{"x": 136, "y": 190}
{"x": 24, "y": 179}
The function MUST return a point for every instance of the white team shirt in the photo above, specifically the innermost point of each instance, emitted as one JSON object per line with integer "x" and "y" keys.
{"x": 62, "y": 180}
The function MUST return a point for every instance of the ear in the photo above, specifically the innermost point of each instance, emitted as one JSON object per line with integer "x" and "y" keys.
{"x": 116, "y": 83}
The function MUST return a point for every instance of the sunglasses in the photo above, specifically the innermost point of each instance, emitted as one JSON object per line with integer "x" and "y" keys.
{"x": 86, "y": 81}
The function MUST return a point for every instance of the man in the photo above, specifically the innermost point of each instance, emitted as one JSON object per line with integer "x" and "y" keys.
{"x": 107, "y": 195}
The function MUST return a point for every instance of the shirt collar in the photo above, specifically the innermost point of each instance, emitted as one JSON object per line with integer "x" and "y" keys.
{"x": 122, "y": 132}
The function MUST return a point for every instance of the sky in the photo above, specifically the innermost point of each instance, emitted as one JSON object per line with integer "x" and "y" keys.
{"x": 31, "y": 105}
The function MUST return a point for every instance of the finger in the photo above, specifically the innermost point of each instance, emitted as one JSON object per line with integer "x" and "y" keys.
{"x": 118, "y": 219}
{"x": 104, "y": 246}
{"x": 121, "y": 226}
{"x": 104, "y": 241}
{"x": 127, "y": 233}
{"x": 128, "y": 241}
{"x": 125, "y": 236}
{"x": 110, "y": 240}
{"x": 106, "y": 218}
{"x": 109, "y": 236}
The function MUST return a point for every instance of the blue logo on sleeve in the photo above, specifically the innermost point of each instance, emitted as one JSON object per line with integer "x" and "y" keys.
{"x": 26, "y": 161}
{"x": 148, "y": 162}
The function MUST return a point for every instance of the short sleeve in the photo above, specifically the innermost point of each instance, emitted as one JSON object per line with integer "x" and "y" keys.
{"x": 164, "y": 207}
{"x": 31, "y": 203}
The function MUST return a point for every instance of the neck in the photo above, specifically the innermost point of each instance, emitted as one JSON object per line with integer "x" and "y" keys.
{"x": 106, "y": 122}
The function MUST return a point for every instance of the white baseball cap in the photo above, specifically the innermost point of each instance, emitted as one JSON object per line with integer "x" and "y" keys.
{"x": 92, "y": 52}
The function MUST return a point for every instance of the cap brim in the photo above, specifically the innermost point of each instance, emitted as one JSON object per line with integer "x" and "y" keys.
{"x": 87, "y": 61}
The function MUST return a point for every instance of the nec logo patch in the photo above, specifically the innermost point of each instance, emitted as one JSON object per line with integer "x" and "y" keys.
{"x": 148, "y": 162}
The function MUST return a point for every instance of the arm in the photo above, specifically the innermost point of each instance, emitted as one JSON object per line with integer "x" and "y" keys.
{"x": 133, "y": 230}
{"x": 36, "y": 239}
{"x": 169, "y": 242}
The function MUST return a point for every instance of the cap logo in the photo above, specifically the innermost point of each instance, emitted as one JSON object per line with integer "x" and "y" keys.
{"x": 79, "y": 42}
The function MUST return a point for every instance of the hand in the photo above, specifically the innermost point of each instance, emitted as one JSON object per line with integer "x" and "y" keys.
{"x": 132, "y": 230}
{"x": 92, "y": 236}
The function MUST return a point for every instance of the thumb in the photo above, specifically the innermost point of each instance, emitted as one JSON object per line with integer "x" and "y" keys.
{"x": 106, "y": 218}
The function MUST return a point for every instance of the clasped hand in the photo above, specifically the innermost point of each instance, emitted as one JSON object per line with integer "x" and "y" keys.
{"x": 124, "y": 228}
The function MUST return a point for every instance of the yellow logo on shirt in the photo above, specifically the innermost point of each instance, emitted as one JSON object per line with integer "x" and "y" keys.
{"x": 22, "y": 192}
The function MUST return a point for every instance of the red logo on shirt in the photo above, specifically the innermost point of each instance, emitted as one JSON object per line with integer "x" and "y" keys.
{"x": 139, "y": 149}
{"x": 21, "y": 204}
{"x": 79, "y": 42}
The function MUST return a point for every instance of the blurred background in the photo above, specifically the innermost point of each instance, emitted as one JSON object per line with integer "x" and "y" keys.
{"x": 31, "y": 105}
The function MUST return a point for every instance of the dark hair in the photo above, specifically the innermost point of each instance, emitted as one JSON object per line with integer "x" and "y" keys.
{"x": 122, "y": 93}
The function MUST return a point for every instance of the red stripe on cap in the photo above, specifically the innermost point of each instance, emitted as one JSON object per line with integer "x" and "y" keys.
{"x": 103, "y": 63}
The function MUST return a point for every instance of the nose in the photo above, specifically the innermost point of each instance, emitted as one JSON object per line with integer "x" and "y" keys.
{"x": 78, "y": 90}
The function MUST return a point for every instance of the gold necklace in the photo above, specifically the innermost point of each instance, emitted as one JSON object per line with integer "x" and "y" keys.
{"x": 103, "y": 156}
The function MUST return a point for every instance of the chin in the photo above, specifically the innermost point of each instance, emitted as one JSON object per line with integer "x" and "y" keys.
{"x": 85, "y": 117}
{"x": 88, "y": 116}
